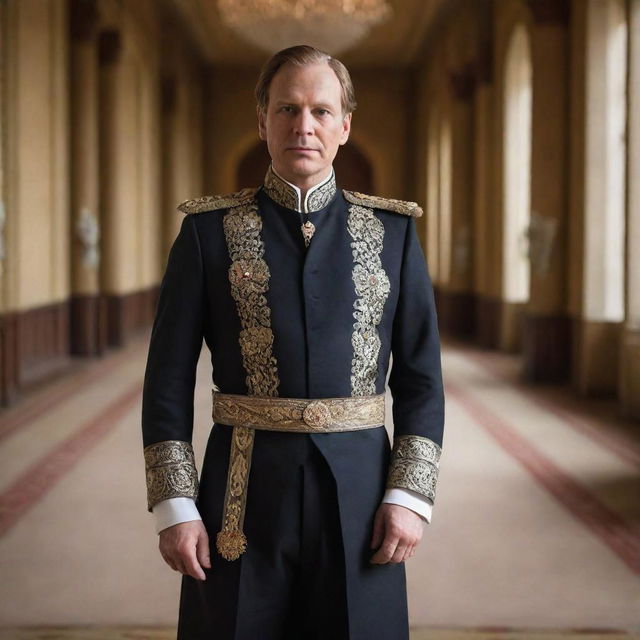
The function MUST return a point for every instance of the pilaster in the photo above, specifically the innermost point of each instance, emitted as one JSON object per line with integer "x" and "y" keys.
{"x": 85, "y": 181}
{"x": 457, "y": 299}
{"x": 630, "y": 342}
{"x": 110, "y": 48}
{"x": 546, "y": 326}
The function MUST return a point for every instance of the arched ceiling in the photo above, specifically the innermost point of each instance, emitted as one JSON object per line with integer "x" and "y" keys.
{"x": 392, "y": 44}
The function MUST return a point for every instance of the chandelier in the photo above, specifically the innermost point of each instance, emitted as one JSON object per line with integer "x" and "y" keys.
{"x": 331, "y": 25}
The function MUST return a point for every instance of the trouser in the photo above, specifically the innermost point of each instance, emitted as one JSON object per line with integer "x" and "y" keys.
{"x": 290, "y": 584}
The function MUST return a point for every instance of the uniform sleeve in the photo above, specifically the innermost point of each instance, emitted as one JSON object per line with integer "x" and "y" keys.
{"x": 174, "y": 349}
{"x": 416, "y": 377}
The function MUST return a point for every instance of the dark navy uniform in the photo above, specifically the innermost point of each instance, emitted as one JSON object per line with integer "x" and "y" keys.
{"x": 285, "y": 319}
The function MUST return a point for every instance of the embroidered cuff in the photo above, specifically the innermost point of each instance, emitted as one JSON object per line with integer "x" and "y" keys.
{"x": 414, "y": 465}
{"x": 171, "y": 471}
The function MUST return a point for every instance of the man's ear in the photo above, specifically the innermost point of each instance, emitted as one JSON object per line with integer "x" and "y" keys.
{"x": 346, "y": 128}
{"x": 262, "y": 122}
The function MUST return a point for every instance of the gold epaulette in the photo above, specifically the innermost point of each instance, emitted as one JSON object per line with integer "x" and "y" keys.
{"x": 405, "y": 207}
{"x": 212, "y": 203}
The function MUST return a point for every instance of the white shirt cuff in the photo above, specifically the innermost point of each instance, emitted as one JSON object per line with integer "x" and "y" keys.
{"x": 174, "y": 511}
{"x": 410, "y": 499}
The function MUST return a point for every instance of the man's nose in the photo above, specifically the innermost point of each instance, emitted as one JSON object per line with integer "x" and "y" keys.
{"x": 303, "y": 123}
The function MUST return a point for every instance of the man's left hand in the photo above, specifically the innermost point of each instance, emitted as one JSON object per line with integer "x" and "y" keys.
{"x": 397, "y": 531}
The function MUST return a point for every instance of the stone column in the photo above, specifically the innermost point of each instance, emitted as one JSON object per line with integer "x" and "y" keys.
{"x": 546, "y": 329}
{"x": 8, "y": 323}
{"x": 457, "y": 303}
{"x": 85, "y": 214}
{"x": 485, "y": 241}
{"x": 601, "y": 314}
{"x": 172, "y": 161}
{"x": 432, "y": 209}
{"x": 630, "y": 350}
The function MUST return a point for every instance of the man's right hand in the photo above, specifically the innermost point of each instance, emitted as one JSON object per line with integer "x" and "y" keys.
{"x": 185, "y": 548}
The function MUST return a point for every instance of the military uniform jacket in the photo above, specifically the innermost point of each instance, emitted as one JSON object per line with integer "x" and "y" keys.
{"x": 284, "y": 319}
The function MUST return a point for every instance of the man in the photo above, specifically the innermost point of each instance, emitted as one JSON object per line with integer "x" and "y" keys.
{"x": 301, "y": 292}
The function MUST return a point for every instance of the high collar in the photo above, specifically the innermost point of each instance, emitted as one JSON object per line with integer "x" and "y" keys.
{"x": 290, "y": 196}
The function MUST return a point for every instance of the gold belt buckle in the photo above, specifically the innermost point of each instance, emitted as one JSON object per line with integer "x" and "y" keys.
{"x": 316, "y": 414}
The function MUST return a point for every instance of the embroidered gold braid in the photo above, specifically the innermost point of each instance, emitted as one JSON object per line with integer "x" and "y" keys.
{"x": 301, "y": 415}
{"x": 372, "y": 289}
{"x": 404, "y": 207}
{"x": 321, "y": 197}
{"x": 280, "y": 191}
{"x": 170, "y": 471}
{"x": 249, "y": 278}
{"x": 414, "y": 465}
{"x": 214, "y": 203}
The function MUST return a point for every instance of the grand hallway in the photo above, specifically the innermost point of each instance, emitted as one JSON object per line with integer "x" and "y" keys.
{"x": 536, "y": 525}
{"x": 509, "y": 130}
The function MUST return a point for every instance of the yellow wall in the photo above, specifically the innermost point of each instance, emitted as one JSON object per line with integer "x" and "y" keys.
{"x": 36, "y": 235}
{"x": 137, "y": 208}
{"x": 182, "y": 140}
{"x": 132, "y": 207}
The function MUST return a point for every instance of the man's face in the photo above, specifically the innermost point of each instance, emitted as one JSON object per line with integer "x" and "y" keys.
{"x": 303, "y": 123}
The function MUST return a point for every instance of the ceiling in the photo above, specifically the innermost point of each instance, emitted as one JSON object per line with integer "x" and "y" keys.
{"x": 392, "y": 44}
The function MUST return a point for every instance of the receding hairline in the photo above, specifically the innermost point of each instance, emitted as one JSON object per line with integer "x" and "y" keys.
{"x": 288, "y": 66}
{"x": 302, "y": 56}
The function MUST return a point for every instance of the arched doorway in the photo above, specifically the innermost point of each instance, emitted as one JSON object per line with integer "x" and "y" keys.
{"x": 353, "y": 169}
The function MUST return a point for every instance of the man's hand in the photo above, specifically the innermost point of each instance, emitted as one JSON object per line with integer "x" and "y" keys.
{"x": 185, "y": 548}
{"x": 397, "y": 531}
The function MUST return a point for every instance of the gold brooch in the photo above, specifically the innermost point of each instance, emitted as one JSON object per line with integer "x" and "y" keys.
{"x": 316, "y": 414}
{"x": 308, "y": 229}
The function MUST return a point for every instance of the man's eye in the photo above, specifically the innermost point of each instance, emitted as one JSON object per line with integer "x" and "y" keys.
{"x": 323, "y": 112}
{"x": 287, "y": 108}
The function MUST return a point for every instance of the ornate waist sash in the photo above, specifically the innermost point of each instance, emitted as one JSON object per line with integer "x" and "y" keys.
{"x": 303, "y": 415}
{"x": 299, "y": 415}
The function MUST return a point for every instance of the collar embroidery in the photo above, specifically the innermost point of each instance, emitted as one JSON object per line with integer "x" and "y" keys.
{"x": 289, "y": 196}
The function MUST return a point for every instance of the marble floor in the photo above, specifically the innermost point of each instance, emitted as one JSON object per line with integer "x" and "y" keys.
{"x": 535, "y": 532}
{"x": 168, "y": 633}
